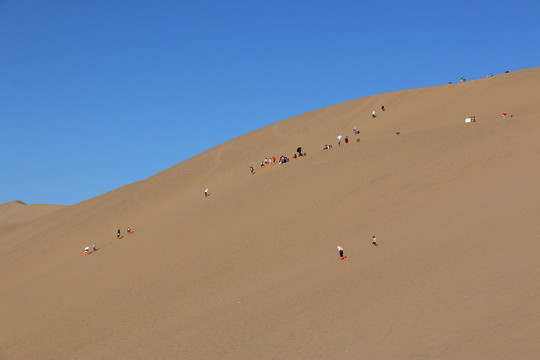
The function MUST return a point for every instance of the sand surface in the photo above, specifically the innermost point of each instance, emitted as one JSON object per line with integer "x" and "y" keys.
{"x": 252, "y": 271}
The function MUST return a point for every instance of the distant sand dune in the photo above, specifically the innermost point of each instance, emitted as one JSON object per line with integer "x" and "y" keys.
{"x": 252, "y": 271}
{"x": 17, "y": 212}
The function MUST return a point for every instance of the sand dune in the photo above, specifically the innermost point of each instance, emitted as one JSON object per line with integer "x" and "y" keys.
{"x": 16, "y": 213}
{"x": 252, "y": 271}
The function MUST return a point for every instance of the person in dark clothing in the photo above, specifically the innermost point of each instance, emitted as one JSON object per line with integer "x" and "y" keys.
{"x": 340, "y": 252}
{"x": 299, "y": 150}
{"x": 118, "y": 235}
{"x": 251, "y": 168}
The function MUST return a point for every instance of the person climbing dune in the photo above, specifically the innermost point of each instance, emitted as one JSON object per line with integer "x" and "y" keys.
{"x": 340, "y": 252}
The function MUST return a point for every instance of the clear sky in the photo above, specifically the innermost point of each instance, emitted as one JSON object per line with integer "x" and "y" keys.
{"x": 97, "y": 94}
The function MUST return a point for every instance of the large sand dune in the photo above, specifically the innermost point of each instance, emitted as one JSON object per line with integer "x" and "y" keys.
{"x": 252, "y": 271}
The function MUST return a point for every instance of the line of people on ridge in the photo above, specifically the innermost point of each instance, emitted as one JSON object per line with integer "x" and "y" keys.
{"x": 282, "y": 160}
{"x": 87, "y": 251}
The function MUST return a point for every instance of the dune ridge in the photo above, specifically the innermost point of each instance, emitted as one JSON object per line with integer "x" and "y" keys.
{"x": 252, "y": 271}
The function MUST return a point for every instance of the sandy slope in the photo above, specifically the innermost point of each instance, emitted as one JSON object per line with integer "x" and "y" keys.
{"x": 16, "y": 214}
{"x": 252, "y": 271}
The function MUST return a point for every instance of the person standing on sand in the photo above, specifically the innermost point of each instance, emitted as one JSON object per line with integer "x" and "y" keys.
{"x": 94, "y": 248}
{"x": 340, "y": 252}
{"x": 374, "y": 241}
{"x": 118, "y": 235}
{"x": 206, "y": 193}
{"x": 251, "y": 169}
{"x": 373, "y": 114}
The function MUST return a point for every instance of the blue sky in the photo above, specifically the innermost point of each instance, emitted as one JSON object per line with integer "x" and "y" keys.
{"x": 98, "y": 94}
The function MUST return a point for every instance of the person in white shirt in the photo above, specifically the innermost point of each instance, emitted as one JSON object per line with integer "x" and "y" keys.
{"x": 86, "y": 249}
{"x": 206, "y": 193}
{"x": 340, "y": 251}
{"x": 373, "y": 114}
